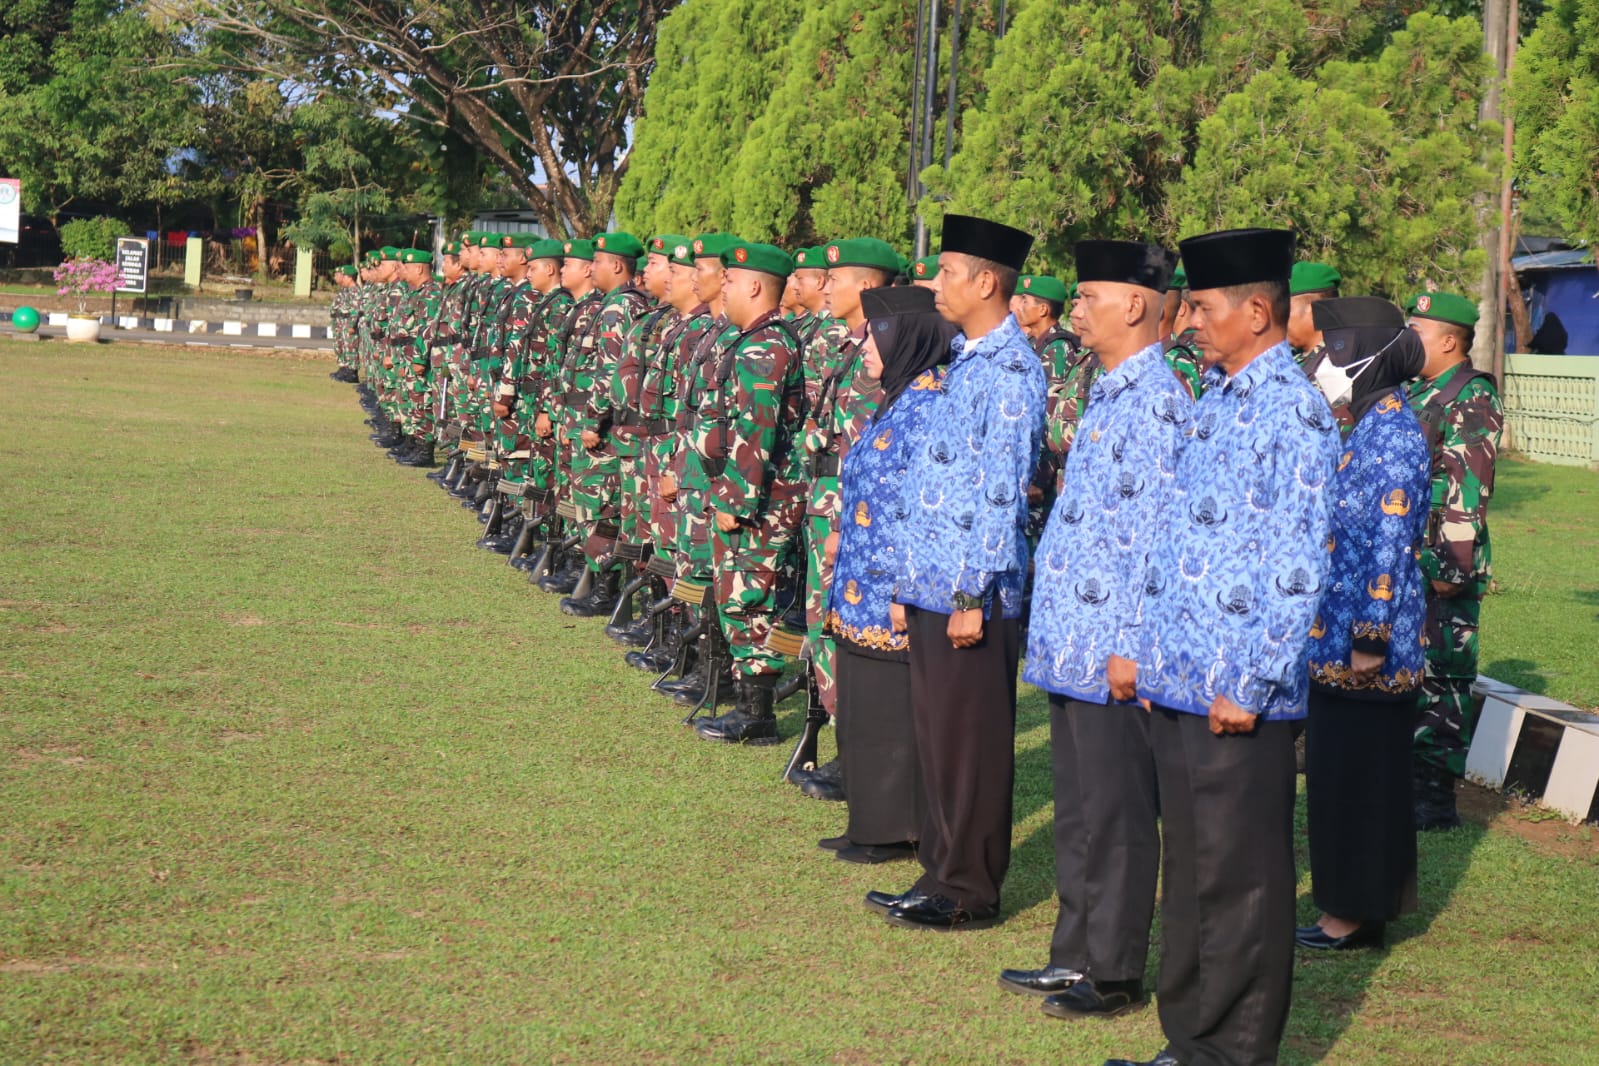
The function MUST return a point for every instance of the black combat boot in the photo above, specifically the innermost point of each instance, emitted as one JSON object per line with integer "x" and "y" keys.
{"x": 826, "y": 782}
{"x": 751, "y": 721}
{"x": 405, "y": 449}
{"x": 442, "y": 474}
{"x": 1434, "y": 798}
{"x": 421, "y": 456}
{"x": 564, "y": 579}
{"x": 521, "y": 553}
{"x": 601, "y": 599}
{"x": 635, "y": 635}
{"x": 502, "y": 542}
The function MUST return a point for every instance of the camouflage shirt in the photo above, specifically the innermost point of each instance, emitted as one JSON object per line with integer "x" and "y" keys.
{"x": 1463, "y": 434}
{"x": 760, "y": 393}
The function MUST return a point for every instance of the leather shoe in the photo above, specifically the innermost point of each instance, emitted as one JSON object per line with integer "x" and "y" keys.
{"x": 1314, "y": 937}
{"x": 940, "y": 914}
{"x": 653, "y": 662}
{"x": 883, "y": 902}
{"x": 1089, "y": 997}
{"x": 826, "y": 782}
{"x": 1164, "y": 1058}
{"x": 872, "y": 854}
{"x": 1042, "y": 982}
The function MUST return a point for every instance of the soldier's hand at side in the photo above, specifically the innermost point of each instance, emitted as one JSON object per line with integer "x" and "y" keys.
{"x": 542, "y": 426}
{"x": 726, "y": 522}
{"x": 667, "y": 485}
{"x": 591, "y": 439}
{"x": 1122, "y": 675}
{"x": 966, "y": 627}
{"x": 830, "y": 548}
{"x": 1227, "y": 717}
{"x": 1364, "y": 665}
{"x": 1446, "y": 589}
{"x": 896, "y": 617}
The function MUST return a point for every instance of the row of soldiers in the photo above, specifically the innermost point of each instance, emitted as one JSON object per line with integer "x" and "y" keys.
{"x": 655, "y": 433}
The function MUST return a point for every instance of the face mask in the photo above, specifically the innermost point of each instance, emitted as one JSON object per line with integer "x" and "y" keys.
{"x": 1337, "y": 383}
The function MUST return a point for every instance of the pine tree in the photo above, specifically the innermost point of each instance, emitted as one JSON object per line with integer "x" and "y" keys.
{"x": 1554, "y": 98}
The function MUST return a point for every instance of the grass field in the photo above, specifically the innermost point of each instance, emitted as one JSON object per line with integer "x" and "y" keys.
{"x": 291, "y": 773}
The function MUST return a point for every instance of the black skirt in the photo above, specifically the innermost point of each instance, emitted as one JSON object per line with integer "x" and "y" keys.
{"x": 1359, "y": 807}
{"x": 877, "y": 749}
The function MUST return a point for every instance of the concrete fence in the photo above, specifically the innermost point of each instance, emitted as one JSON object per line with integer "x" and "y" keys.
{"x": 1552, "y": 407}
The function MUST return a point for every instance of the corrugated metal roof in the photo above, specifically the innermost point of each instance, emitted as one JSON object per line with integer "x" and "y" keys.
{"x": 1569, "y": 259}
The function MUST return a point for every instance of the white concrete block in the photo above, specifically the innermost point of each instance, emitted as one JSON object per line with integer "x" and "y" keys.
{"x": 197, "y": 325}
{"x": 266, "y": 329}
{"x": 127, "y": 321}
{"x": 303, "y": 332}
{"x": 233, "y": 329}
{"x": 56, "y": 318}
{"x": 1575, "y": 774}
{"x": 1497, "y": 729}
{"x": 163, "y": 325}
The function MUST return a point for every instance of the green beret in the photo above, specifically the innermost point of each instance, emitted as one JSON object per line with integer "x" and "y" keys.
{"x": 925, "y": 268}
{"x": 453, "y": 248}
{"x": 712, "y": 245}
{"x": 415, "y": 255}
{"x": 1444, "y": 307}
{"x": 578, "y": 249}
{"x": 1043, "y": 287}
{"x": 524, "y": 241}
{"x": 863, "y": 252}
{"x": 349, "y": 271}
{"x": 1179, "y": 280}
{"x": 388, "y": 251}
{"x": 809, "y": 259}
{"x": 471, "y": 238}
{"x": 681, "y": 253}
{"x": 1312, "y": 277}
{"x": 547, "y": 249}
{"x": 623, "y": 244}
{"x": 663, "y": 243}
{"x": 766, "y": 258}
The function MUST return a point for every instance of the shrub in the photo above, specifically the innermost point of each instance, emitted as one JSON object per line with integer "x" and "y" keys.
{"x": 91, "y": 238}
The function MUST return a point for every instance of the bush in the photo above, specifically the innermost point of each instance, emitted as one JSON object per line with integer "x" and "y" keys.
{"x": 91, "y": 238}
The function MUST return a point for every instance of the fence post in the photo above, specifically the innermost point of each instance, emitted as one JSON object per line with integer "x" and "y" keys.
{"x": 193, "y": 252}
{"x": 302, "y": 271}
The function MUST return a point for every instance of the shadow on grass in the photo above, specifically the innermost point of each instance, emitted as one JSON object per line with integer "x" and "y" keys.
{"x": 1523, "y": 673}
{"x": 1330, "y": 988}
{"x": 1516, "y": 485}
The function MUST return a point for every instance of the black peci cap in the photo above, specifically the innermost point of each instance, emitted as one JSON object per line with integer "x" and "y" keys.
{"x": 979, "y": 237}
{"x": 1128, "y": 262}
{"x": 1238, "y": 257}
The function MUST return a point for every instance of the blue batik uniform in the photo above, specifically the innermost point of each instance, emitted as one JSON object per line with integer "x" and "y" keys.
{"x": 1375, "y": 600}
{"x": 1233, "y": 586}
{"x": 1089, "y": 572}
{"x": 965, "y": 493}
{"x": 872, "y": 518}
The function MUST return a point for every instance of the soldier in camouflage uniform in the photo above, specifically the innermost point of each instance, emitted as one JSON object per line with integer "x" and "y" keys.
{"x": 840, "y": 399}
{"x": 511, "y": 317}
{"x": 1309, "y": 284}
{"x": 588, "y": 367}
{"x": 445, "y": 335}
{"x": 528, "y": 370}
{"x": 1182, "y": 354}
{"x": 577, "y": 277}
{"x": 746, "y": 451}
{"x": 1038, "y": 304}
{"x": 1460, "y": 411}
{"x": 387, "y": 291}
{"x": 341, "y": 312}
{"x": 411, "y": 342}
{"x": 809, "y": 282}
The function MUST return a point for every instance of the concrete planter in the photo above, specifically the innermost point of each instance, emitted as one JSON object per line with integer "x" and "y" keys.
{"x": 83, "y": 328}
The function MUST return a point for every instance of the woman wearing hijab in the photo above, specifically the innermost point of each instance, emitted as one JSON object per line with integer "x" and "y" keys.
{"x": 1366, "y": 658}
{"x": 907, "y": 345}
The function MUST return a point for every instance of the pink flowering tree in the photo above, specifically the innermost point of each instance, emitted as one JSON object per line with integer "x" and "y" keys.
{"x": 80, "y": 277}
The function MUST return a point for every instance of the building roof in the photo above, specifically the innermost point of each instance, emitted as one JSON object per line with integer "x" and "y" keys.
{"x": 1566, "y": 259}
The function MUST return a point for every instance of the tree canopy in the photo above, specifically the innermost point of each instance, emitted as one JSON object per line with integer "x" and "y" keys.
{"x": 1554, "y": 97}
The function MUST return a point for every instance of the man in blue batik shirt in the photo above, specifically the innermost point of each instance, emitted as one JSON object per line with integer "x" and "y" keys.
{"x": 958, "y": 591}
{"x": 1229, "y": 601}
{"x": 1083, "y": 638}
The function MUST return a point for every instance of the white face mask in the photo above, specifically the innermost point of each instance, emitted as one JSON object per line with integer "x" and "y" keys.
{"x": 1337, "y": 383}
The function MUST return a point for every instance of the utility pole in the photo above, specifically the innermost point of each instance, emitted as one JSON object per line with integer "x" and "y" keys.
{"x": 1496, "y": 33}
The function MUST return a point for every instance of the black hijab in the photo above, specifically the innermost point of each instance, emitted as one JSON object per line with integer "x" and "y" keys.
{"x": 912, "y": 337}
{"x": 1355, "y": 328}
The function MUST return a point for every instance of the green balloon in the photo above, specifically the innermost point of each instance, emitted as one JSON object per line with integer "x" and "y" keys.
{"x": 25, "y": 320}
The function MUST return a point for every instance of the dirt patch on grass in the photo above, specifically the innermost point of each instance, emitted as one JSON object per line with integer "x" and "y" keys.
{"x": 1543, "y": 829}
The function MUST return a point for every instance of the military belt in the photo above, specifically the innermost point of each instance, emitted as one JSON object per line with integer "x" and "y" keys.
{"x": 657, "y": 427}
{"x": 713, "y": 467}
{"x": 824, "y": 465}
{"x": 575, "y": 397}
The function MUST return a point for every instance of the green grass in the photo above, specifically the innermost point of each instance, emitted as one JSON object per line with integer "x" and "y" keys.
{"x": 292, "y": 773}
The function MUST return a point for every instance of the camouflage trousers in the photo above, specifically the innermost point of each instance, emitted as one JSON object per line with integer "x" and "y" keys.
{"x": 818, "y": 579}
{"x": 748, "y": 563}
{"x": 418, "y": 419}
{"x": 694, "y": 548}
{"x": 1448, "y": 713}
{"x": 596, "y": 484}
{"x": 660, "y": 516}
{"x": 632, "y": 495}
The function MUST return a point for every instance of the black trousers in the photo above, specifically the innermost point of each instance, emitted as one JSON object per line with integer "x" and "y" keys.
{"x": 877, "y": 749}
{"x": 1359, "y": 809}
{"x": 1227, "y": 902}
{"x": 1107, "y": 838}
{"x": 964, "y": 702}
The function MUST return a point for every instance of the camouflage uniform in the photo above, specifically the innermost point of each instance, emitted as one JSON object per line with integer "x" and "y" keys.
{"x": 340, "y": 318}
{"x": 834, "y": 419}
{"x": 699, "y": 405}
{"x": 643, "y": 350}
{"x": 1059, "y": 349}
{"x": 1464, "y": 436}
{"x": 534, "y": 366}
{"x": 1064, "y": 405}
{"x": 449, "y": 364}
{"x": 411, "y": 330}
{"x": 661, "y": 391}
{"x": 746, "y": 449}
{"x": 512, "y": 439}
{"x": 560, "y": 394}
{"x": 1186, "y": 361}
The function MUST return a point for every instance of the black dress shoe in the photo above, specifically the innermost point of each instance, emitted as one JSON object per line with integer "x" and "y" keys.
{"x": 883, "y": 902}
{"x": 838, "y": 843}
{"x": 1164, "y": 1058}
{"x": 1044, "y": 982}
{"x": 872, "y": 854}
{"x": 1315, "y": 938}
{"x": 940, "y": 914}
{"x": 1089, "y": 997}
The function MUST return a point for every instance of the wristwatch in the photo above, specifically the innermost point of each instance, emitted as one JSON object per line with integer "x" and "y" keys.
{"x": 963, "y": 601}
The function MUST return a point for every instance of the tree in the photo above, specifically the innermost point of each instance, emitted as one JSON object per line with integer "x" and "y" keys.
{"x": 1554, "y": 100}
{"x": 543, "y": 89}
{"x": 719, "y": 62}
{"x": 87, "y": 118}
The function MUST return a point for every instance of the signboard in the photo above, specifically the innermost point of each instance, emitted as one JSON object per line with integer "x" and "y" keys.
{"x": 133, "y": 264}
{"x": 10, "y": 210}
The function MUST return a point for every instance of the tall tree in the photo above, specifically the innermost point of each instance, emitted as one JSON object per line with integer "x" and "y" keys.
{"x": 546, "y": 90}
{"x": 1554, "y": 99}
